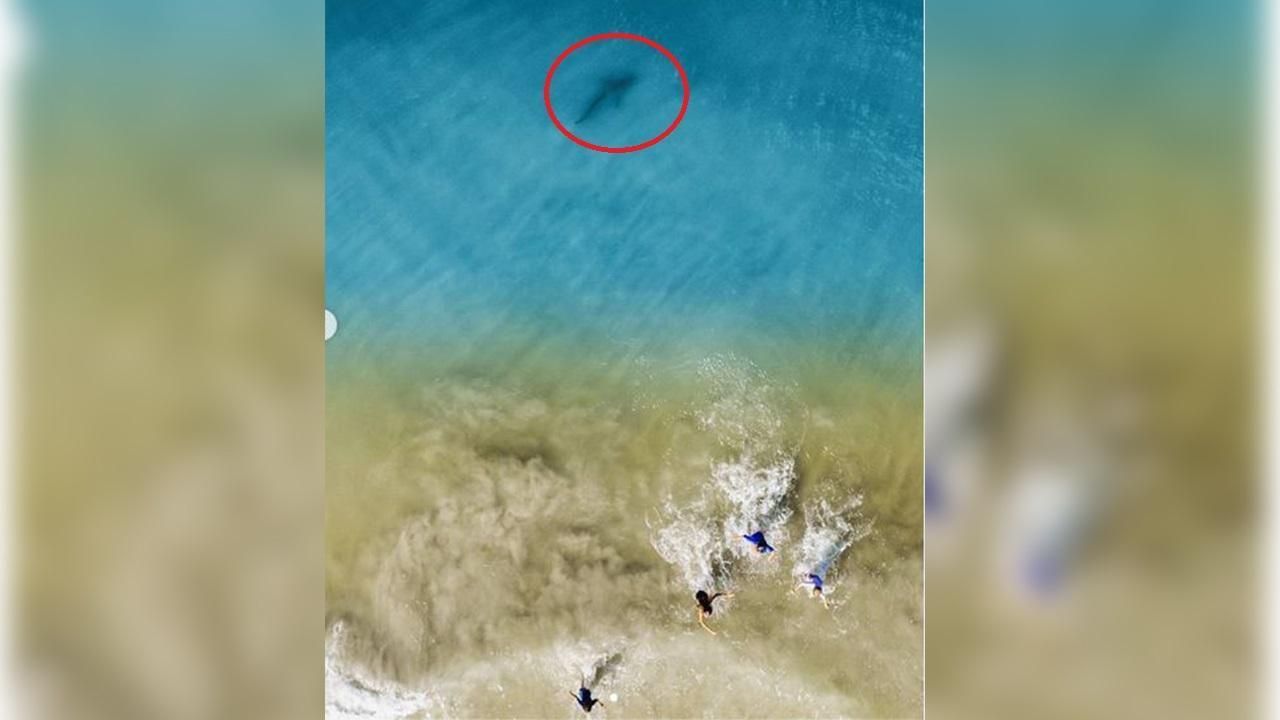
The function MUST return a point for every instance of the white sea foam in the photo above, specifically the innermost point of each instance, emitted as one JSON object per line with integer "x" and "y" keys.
{"x": 697, "y": 538}
{"x": 757, "y": 494}
{"x": 739, "y": 496}
{"x": 690, "y": 541}
{"x": 594, "y": 664}
{"x": 350, "y": 693}
{"x": 743, "y": 407}
{"x": 829, "y": 532}
{"x": 651, "y": 675}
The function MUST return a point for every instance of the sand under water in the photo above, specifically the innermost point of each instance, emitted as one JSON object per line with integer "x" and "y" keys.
{"x": 492, "y": 547}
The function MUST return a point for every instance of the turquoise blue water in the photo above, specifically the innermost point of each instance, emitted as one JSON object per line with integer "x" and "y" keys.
{"x": 788, "y": 203}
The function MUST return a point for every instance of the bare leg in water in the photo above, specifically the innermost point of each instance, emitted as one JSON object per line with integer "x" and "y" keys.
{"x": 705, "y": 608}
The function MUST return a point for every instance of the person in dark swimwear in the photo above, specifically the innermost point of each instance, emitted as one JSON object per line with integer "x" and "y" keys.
{"x": 816, "y": 582}
{"x": 705, "y": 609}
{"x": 757, "y": 538}
{"x": 584, "y": 699}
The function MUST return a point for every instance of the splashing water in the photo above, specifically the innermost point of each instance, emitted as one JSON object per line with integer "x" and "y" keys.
{"x": 828, "y": 533}
{"x": 692, "y": 545}
{"x": 593, "y": 664}
{"x": 738, "y": 496}
{"x": 744, "y": 408}
{"x": 351, "y": 693}
{"x": 758, "y": 495}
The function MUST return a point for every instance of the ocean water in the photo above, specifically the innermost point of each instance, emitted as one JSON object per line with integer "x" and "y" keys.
{"x": 565, "y": 382}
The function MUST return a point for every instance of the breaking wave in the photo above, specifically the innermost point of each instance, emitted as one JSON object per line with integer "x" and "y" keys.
{"x": 829, "y": 532}
{"x": 744, "y": 414}
{"x": 353, "y": 693}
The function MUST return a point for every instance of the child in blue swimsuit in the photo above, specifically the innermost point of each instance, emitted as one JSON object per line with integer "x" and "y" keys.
{"x": 584, "y": 699}
{"x": 816, "y": 582}
{"x": 757, "y": 538}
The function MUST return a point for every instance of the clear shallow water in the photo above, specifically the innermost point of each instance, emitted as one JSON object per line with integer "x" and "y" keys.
{"x": 566, "y": 382}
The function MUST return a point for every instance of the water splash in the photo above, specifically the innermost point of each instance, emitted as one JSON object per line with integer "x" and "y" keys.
{"x": 829, "y": 532}
{"x": 691, "y": 541}
{"x": 743, "y": 412}
{"x": 757, "y": 493}
{"x": 593, "y": 664}
{"x": 352, "y": 693}
{"x": 742, "y": 407}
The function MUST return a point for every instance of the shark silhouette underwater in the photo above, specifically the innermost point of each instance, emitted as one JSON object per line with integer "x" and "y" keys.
{"x": 610, "y": 92}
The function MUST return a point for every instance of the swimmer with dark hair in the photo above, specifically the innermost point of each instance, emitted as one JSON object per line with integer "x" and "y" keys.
{"x": 705, "y": 609}
{"x": 816, "y": 582}
{"x": 757, "y": 538}
{"x": 584, "y": 699}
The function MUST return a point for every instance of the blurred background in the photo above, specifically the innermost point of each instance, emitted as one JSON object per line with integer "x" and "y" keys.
{"x": 1091, "y": 485}
{"x": 169, "y": 280}
{"x": 1091, "y": 286}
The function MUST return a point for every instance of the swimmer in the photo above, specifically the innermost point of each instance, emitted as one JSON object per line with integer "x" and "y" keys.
{"x": 757, "y": 538}
{"x": 704, "y": 607}
{"x": 816, "y": 582}
{"x": 584, "y": 699}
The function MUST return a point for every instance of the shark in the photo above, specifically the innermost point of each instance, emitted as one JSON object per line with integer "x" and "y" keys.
{"x": 611, "y": 90}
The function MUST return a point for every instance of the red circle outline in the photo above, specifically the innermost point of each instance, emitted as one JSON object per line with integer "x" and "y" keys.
{"x": 546, "y": 92}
